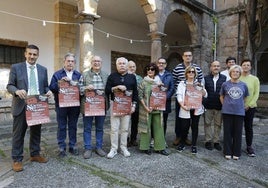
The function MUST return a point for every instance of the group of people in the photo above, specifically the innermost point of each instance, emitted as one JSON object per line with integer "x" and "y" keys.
{"x": 233, "y": 101}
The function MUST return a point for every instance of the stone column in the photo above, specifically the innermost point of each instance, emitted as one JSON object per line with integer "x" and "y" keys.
{"x": 156, "y": 47}
{"x": 87, "y": 14}
{"x": 86, "y": 43}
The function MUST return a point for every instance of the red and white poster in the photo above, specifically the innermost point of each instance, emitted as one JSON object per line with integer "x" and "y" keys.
{"x": 193, "y": 96}
{"x": 95, "y": 103}
{"x": 122, "y": 103}
{"x": 68, "y": 94}
{"x": 37, "y": 110}
{"x": 158, "y": 98}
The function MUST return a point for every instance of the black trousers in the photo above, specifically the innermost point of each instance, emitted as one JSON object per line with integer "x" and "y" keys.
{"x": 248, "y": 124}
{"x": 232, "y": 134}
{"x": 19, "y": 130}
{"x": 186, "y": 124}
{"x": 134, "y": 124}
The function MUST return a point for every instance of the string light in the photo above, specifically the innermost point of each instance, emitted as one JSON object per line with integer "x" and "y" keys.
{"x": 69, "y": 23}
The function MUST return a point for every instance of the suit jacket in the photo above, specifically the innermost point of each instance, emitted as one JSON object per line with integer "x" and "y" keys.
{"x": 18, "y": 79}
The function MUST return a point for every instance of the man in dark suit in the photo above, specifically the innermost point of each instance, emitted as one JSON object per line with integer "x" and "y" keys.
{"x": 19, "y": 86}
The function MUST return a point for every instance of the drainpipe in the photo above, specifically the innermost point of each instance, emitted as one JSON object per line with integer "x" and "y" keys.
{"x": 215, "y": 33}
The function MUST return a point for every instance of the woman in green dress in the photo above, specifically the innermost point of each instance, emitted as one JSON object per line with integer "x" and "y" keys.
{"x": 148, "y": 116}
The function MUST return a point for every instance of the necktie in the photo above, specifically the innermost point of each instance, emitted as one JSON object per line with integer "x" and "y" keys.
{"x": 33, "y": 84}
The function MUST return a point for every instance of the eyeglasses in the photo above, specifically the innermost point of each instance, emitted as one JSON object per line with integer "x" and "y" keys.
{"x": 191, "y": 72}
{"x": 161, "y": 63}
{"x": 150, "y": 69}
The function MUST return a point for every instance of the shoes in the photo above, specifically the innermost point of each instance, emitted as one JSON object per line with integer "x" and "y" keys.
{"x": 87, "y": 154}
{"x": 38, "y": 159}
{"x": 188, "y": 142}
{"x": 148, "y": 152}
{"x": 164, "y": 152}
{"x": 74, "y": 151}
{"x": 250, "y": 151}
{"x": 217, "y": 146}
{"x": 100, "y": 152}
{"x": 228, "y": 157}
{"x": 111, "y": 154}
{"x": 132, "y": 143}
{"x": 194, "y": 150}
{"x": 176, "y": 142}
{"x": 17, "y": 166}
{"x": 235, "y": 157}
{"x": 125, "y": 152}
{"x": 62, "y": 153}
{"x": 208, "y": 145}
{"x": 181, "y": 148}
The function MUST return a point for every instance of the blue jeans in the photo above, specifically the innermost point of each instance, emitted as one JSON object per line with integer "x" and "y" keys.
{"x": 88, "y": 121}
{"x": 67, "y": 116}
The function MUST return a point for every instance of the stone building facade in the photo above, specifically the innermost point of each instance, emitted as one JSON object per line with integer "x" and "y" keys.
{"x": 212, "y": 30}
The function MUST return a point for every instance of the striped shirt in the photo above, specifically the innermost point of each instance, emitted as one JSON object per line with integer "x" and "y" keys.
{"x": 179, "y": 70}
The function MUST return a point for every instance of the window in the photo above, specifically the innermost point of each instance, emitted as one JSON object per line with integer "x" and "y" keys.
{"x": 11, "y": 52}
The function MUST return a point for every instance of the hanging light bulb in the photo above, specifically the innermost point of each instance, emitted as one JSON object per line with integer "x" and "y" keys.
{"x": 44, "y": 23}
{"x": 107, "y": 35}
{"x": 131, "y": 41}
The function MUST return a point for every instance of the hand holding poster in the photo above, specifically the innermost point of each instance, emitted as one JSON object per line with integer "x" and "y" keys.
{"x": 193, "y": 96}
{"x": 37, "y": 111}
{"x": 95, "y": 103}
{"x": 68, "y": 94}
{"x": 122, "y": 103}
{"x": 158, "y": 98}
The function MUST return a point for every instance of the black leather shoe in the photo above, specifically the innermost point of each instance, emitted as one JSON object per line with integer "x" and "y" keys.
{"x": 208, "y": 145}
{"x": 217, "y": 146}
{"x": 164, "y": 152}
{"x": 148, "y": 152}
{"x": 74, "y": 151}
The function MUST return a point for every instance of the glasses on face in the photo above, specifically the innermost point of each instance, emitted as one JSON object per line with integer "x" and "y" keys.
{"x": 150, "y": 69}
{"x": 96, "y": 60}
{"x": 161, "y": 63}
{"x": 191, "y": 71}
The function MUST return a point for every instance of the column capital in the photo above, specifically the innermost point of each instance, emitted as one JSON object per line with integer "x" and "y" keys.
{"x": 87, "y": 17}
{"x": 156, "y": 35}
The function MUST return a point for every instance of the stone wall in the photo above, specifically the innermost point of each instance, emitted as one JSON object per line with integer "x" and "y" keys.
{"x": 65, "y": 34}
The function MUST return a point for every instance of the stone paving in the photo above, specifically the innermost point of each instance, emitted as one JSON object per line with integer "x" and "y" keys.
{"x": 206, "y": 169}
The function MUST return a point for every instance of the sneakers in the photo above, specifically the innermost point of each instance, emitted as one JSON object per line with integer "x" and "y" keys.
{"x": 100, "y": 152}
{"x": 181, "y": 148}
{"x": 250, "y": 151}
{"x": 125, "y": 152}
{"x": 194, "y": 150}
{"x": 87, "y": 154}
{"x": 228, "y": 157}
{"x": 111, "y": 154}
{"x": 217, "y": 146}
{"x": 208, "y": 145}
{"x": 235, "y": 158}
{"x": 17, "y": 166}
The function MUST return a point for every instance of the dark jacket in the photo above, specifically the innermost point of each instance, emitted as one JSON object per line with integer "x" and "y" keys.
{"x": 213, "y": 99}
{"x": 167, "y": 80}
{"x": 54, "y": 82}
